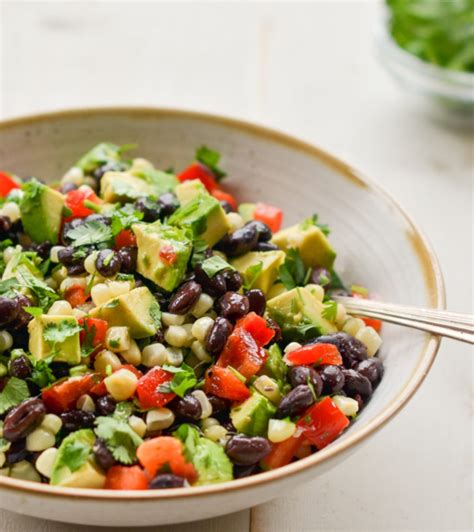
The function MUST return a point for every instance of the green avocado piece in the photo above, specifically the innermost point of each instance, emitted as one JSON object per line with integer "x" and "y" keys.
{"x": 310, "y": 241}
{"x": 163, "y": 253}
{"x": 188, "y": 190}
{"x": 299, "y": 314}
{"x": 274, "y": 366}
{"x": 205, "y": 217}
{"x": 41, "y": 212}
{"x": 259, "y": 268}
{"x": 73, "y": 466}
{"x": 68, "y": 351}
{"x": 138, "y": 310}
{"x": 246, "y": 210}
{"x": 251, "y": 417}
{"x": 159, "y": 181}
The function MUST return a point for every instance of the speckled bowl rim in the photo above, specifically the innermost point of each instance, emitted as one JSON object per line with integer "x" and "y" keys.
{"x": 428, "y": 263}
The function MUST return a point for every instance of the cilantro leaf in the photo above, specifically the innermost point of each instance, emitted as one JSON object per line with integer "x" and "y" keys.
{"x": 313, "y": 220}
{"x": 214, "y": 265}
{"x": 293, "y": 272}
{"x": 124, "y": 218}
{"x": 73, "y": 453}
{"x": 9, "y": 287}
{"x": 199, "y": 252}
{"x": 103, "y": 153}
{"x": 42, "y": 374}
{"x": 330, "y": 310}
{"x": 123, "y": 410}
{"x": 57, "y": 333}
{"x": 184, "y": 379}
{"x": 210, "y": 158}
{"x": 251, "y": 275}
{"x": 90, "y": 233}
{"x": 14, "y": 393}
{"x": 34, "y": 311}
{"x": 121, "y": 440}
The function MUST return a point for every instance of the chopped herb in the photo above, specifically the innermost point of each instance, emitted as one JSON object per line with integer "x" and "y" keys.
{"x": 199, "y": 252}
{"x": 214, "y": 265}
{"x": 90, "y": 233}
{"x": 34, "y": 311}
{"x": 330, "y": 310}
{"x": 75, "y": 454}
{"x": 293, "y": 272}
{"x": 251, "y": 275}
{"x": 183, "y": 380}
{"x": 124, "y": 410}
{"x": 124, "y": 218}
{"x": 108, "y": 370}
{"x": 57, "y": 333}
{"x": 313, "y": 220}
{"x": 9, "y": 287}
{"x": 211, "y": 159}
{"x": 14, "y": 393}
{"x": 90, "y": 284}
{"x": 114, "y": 343}
{"x": 42, "y": 374}
{"x": 121, "y": 440}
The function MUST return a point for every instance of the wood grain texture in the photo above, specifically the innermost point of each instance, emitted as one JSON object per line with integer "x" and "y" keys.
{"x": 309, "y": 69}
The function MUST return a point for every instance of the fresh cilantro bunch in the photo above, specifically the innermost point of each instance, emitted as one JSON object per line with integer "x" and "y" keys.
{"x": 293, "y": 272}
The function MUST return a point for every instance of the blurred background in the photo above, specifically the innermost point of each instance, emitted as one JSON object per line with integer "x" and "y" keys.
{"x": 323, "y": 71}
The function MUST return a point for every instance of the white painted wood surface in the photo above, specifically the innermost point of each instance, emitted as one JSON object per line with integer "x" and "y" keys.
{"x": 308, "y": 69}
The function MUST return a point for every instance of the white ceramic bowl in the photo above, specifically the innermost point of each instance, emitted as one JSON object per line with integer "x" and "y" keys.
{"x": 378, "y": 246}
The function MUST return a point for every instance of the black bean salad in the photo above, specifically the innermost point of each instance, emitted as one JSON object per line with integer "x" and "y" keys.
{"x": 155, "y": 334}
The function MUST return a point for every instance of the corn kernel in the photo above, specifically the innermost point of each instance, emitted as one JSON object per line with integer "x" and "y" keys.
{"x": 78, "y": 313}
{"x": 202, "y": 305}
{"x": 53, "y": 254}
{"x": 174, "y": 356}
{"x": 215, "y": 433}
{"x": 85, "y": 403}
{"x": 176, "y": 336}
{"x": 346, "y": 405}
{"x": 235, "y": 221}
{"x": 154, "y": 355}
{"x": 89, "y": 263}
{"x": 137, "y": 425}
{"x": 352, "y": 326}
{"x": 45, "y": 462}
{"x": 70, "y": 282}
{"x": 206, "y": 406}
{"x": 316, "y": 290}
{"x": 159, "y": 419}
{"x": 370, "y": 338}
{"x": 6, "y": 341}
{"x": 121, "y": 385}
{"x": 117, "y": 339}
{"x": 200, "y": 351}
{"x": 268, "y": 387}
{"x": 60, "y": 274}
{"x": 60, "y": 308}
{"x": 280, "y": 430}
{"x": 11, "y": 210}
{"x": 52, "y": 422}
{"x": 201, "y": 328}
{"x": 106, "y": 359}
{"x": 39, "y": 440}
{"x": 132, "y": 355}
{"x": 209, "y": 422}
{"x": 169, "y": 319}
{"x": 118, "y": 288}
{"x": 100, "y": 294}
{"x": 24, "y": 471}
{"x": 292, "y": 346}
{"x": 74, "y": 175}
{"x": 3, "y": 459}
{"x": 341, "y": 315}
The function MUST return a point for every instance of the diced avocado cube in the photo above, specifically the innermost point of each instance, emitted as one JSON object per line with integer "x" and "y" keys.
{"x": 68, "y": 351}
{"x": 246, "y": 210}
{"x": 251, "y": 417}
{"x": 310, "y": 241}
{"x": 123, "y": 186}
{"x": 138, "y": 310}
{"x": 41, "y": 212}
{"x": 163, "y": 253}
{"x": 259, "y": 268}
{"x": 204, "y": 216}
{"x": 299, "y": 314}
{"x": 274, "y": 366}
{"x": 189, "y": 190}
{"x": 159, "y": 181}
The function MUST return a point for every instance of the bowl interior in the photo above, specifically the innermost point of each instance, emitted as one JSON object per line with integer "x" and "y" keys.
{"x": 377, "y": 244}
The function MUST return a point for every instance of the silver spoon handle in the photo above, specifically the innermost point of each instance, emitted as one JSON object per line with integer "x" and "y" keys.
{"x": 450, "y": 324}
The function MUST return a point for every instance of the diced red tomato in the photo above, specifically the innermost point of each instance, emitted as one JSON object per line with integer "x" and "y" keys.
{"x": 63, "y": 396}
{"x": 282, "y": 453}
{"x": 165, "y": 452}
{"x": 272, "y": 216}
{"x": 225, "y": 384}
{"x": 75, "y": 203}
{"x": 7, "y": 184}
{"x": 125, "y": 239}
{"x": 168, "y": 254}
{"x": 322, "y": 423}
{"x": 94, "y": 330}
{"x": 201, "y": 172}
{"x": 126, "y": 478}
{"x": 220, "y": 195}
{"x": 148, "y": 395}
{"x": 315, "y": 354}
{"x": 100, "y": 390}
{"x": 258, "y": 327}
{"x": 76, "y": 295}
{"x": 242, "y": 353}
{"x": 372, "y": 322}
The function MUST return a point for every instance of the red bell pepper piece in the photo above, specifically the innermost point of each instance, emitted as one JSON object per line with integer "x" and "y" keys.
{"x": 220, "y": 195}
{"x": 125, "y": 239}
{"x": 258, "y": 327}
{"x": 272, "y": 216}
{"x": 199, "y": 171}
{"x": 147, "y": 389}
{"x": 126, "y": 478}
{"x": 95, "y": 329}
{"x": 75, "y": 203}
{"x": 63, "y": 396}
{"x": 76, "y": 295}
{"x": 322, "y": 423}
{"x": 242, "y": 353}
{"x": 7, "y": 184}
{"x": 165, "y": 452}
{"x": 223, "y": 383}
{"x": 282, "y": 453}
{"x": 372, "y": 322}
{"x": 359, "y": 292}
{"x": 315, "y": 354}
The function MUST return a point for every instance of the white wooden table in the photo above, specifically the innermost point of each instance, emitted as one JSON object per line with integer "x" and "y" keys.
{"x": 310, "y": 70}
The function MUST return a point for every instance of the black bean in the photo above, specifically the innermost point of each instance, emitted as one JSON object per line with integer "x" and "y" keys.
{"x": 67, "y": 187}
{"x": 43, "y": 249}
{"x": 184, "y": 298}
{"x": 22, "y": 318}
{"x": 245, "y": 471}
{"x": 76, "y": 269}
{"x": 168, "y": 203}
{"x": 233, "y": 280}
{"x": 105, "y": 405}
{"x": 263, "y": 231}
{"x": 320, "y": 276}
{"x": 112, "y": 166}
{"x": 214, "y": 286}
{"x": 247, "y": 450}
{"x": 102, "y": 455}
{"x": 226, "y": 206}
{"x": 5, "y": 225}
{"x": 372, "y": 369}
{"x": 108, "y": 262}
{"x": 218, "y": 335}
{"x": 355, "y": 383}
{"x": 265, "y": 246}
{"x": 96, "y": 217}
{"x": 66, "y": 256}
{"x": 274, "y": 325}
{"x": 166, "y": 481}
{"x": 128, "y": 256}
{"x": 20, "y": 367}
{"x": 218, "y": 404}
{"x": 60, "y": 369}
{"x": 9, "y": 309}
{"x": 351, "y": 349}
{"x": 20, "y": 336}
{"x": 232, "y": 306}
{"x": 333, "y": 379}
{"x": 73, "y": 224}
{"x": 188, "y": 407}
{"x": 151, "y": 209}
{"x": 16, "y": 453}
{"x": 257, "y": 301}
{"x": 303, "y": 375}
{"x": 239, "y": 242}
{"x": 77, "y": 419}
{"x": 158, "y": 337}
{"x": 295, "y": 401}
{"x": 23, "y": 419}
